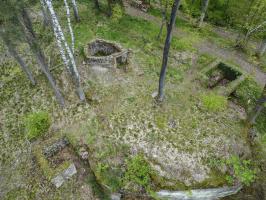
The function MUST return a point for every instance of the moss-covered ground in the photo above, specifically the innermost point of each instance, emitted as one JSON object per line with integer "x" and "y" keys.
{"x": 179, "y": 139}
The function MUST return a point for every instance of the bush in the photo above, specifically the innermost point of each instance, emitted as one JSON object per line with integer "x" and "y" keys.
{"x": 248, "y": 92}
{"x": 242, "y": 170}
{"x": 36, "y": 124}
{"x": 138, "y": 171}
{"x": 214, "y": 102}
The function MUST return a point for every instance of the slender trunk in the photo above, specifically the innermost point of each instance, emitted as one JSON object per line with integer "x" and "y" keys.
{"x": 12, "y": 50}
{"x": 70, "y": 27}
{"x": 203, "y": 12}
{"x": 262, "y": 48}
{"x": 109, "y": 12}
{"x": 75, "y": 9}
{"x": 46, "y": 20}
{"x": 164, "y": 21}
{"x": 166, "y": 48}
{"x": 258, "y": 108}
{"x": 65, "y": 51}
{"x": 193, "y": 1}
{"x": 32, "y": 41}
{"x": 97, "y": 5}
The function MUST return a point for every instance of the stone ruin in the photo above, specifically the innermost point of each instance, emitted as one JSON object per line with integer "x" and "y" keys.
{"x": 140, "y": 4}
{"x": 105, "y": 54}
{"x": 222, "y": 77}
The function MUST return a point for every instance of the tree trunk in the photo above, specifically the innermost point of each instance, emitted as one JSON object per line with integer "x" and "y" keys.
{"x": 97, "y": 5}
{"x": 203, "y": 12}
{"x": 32, "y": 41}
{"x": 166, "y": 48}
{"x": 70, "y": 27}
{"x": 12, "y": 50}
{"x": 262, "y": 48}
{"x": 109, "y": 12}
{"x": 46, "y": 20}
{"x": 75, "y": 9}
{"x": 66, "y": 53}
{"x": 258, "y": 108}
{"x": 164, "y": 21}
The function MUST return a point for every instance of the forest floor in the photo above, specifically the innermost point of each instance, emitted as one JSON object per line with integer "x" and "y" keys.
{"x": 181, "y": 139}
{"x": 206, "y": 46}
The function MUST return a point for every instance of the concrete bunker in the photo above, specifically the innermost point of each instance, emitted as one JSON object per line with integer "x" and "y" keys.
{"x": 222, "y": 77}
{"x": 105, "y": 54}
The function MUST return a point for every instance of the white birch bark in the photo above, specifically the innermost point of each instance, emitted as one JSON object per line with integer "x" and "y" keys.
{"x": 75, "y": 8}
{"x": 70, "y": 27}
{"x": 65, "y": 51}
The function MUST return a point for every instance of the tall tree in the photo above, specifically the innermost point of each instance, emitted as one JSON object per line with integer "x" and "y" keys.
{"x": 70, "y": 27}
{"x": 97, "y": 4}
{"x": 46, "y": 20}
{"x": 75, "y": 9}
{"x": 66, "y": 53}
{"x": 31, "y": 39}
{"x": 168, "y": 39}
{"x": 164, "y": 4}
{"x": 204, "y": 8}
{"x": 13, "y": 52}
{"x": 260, "y": 105}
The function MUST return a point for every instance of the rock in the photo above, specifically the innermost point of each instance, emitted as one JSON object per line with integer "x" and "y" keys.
{"x": 65, "y": 175}
{"x": 83, "y": 154}
{"x": 55, "y": 147}
{"x": 154, "y": 94}
{"x": 115, "y": 196}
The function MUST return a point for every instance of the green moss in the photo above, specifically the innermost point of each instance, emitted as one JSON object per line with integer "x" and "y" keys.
{"x": 37, "y": 124}
{"x": 214, "y": 102}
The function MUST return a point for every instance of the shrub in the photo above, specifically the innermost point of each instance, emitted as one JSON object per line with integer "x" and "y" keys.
{"x": 117, "y": 13}
{"x": 214, "y": 102}
{"x": 248, "y": 92}
{"x": 36, "y": 124}
{"x": 138, "y": 171}
{"x": 242, "y": 170}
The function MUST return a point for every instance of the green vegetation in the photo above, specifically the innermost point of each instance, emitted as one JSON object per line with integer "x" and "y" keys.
{"x": 242, "y": 170}
{"x": 248, "y": 92}
{"x": 214, "y": 102}
{"x": 138, "y": 171}
{"x": 37, "y": 124}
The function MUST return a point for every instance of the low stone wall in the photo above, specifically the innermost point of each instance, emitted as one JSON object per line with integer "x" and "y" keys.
{"x": 105, "y": 54}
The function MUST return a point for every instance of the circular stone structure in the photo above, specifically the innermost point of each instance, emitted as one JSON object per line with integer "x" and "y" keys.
{"x": 105, "y": 54}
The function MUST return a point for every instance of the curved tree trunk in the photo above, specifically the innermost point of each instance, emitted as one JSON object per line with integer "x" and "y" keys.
{"x": 12, "y": 50}
{"x": 66, "y": 53}
{"x": 166, "y": 49}
{"x": 203, "y": 12}
{"x": 32, "y": 41}
{"x": 75, "y": 9}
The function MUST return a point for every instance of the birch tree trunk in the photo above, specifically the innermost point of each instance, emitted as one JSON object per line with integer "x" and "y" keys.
{"x": 166, "y": 49}
{"x": 12, "y": 50}
{"x": 70, "y": 27}
{"x": 203, "y": 12}
{"x": 75, "y": 9}
{"x": 65, "y": 51}
{"x": 32, "y": 41}
{"x": 46, "y": 20}
{"x": 262, "y": 48}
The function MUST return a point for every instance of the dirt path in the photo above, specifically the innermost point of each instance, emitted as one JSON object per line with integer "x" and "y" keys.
{"x": 206, "y": 46}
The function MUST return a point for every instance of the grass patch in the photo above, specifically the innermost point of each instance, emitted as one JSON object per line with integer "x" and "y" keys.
{"x": 37, "y": 124}
{"x": 214, "y": 102}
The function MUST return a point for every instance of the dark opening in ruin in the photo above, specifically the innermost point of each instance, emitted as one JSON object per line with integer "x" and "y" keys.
{"x": 222, "y": 75}
{"x": 102, "y": 48}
